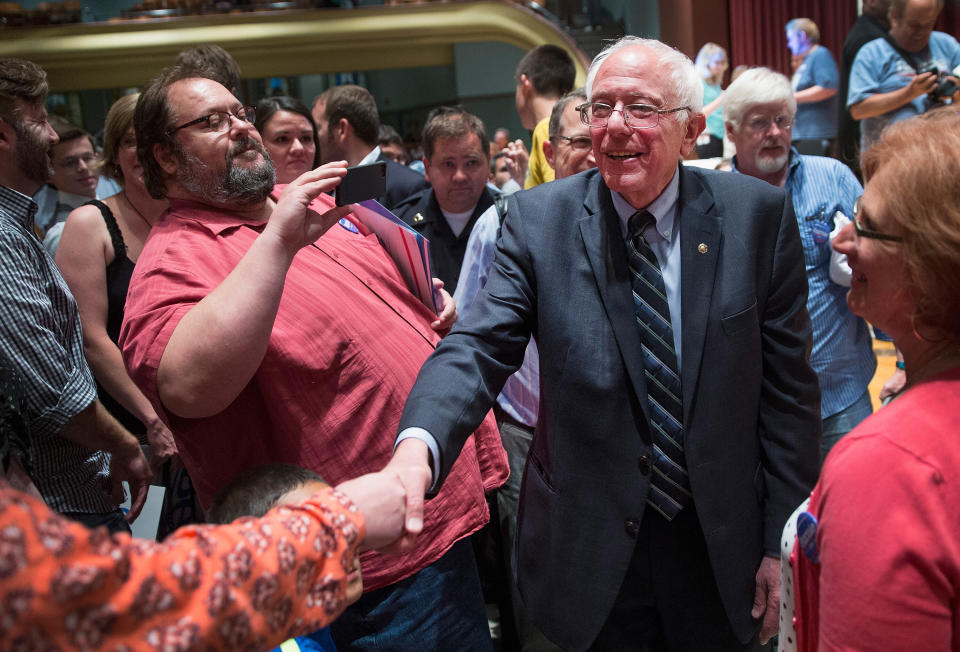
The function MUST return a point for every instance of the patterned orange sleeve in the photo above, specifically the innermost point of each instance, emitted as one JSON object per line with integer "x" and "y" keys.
{"x": 249, "y": 585}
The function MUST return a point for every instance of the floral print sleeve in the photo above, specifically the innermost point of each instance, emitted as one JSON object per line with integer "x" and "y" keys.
{"x": 249, "y": 585}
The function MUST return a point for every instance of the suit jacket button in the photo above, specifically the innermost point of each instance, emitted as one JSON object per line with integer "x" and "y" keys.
{"x": 632, "y": 528}
{"x": 644, "y": 464}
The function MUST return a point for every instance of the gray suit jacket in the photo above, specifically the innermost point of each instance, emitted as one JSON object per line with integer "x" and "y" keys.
{"x": 751, "y": 402}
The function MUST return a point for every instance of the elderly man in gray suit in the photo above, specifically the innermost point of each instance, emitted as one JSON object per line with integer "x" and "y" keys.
{"x": 679, "y": 416}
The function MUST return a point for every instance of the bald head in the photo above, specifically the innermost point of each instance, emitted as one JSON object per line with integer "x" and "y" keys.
{"x": 912, "y": 21}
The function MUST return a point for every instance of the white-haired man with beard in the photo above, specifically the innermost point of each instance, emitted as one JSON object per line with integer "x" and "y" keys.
{"x": 264, "y": 331}
{"x": 759, "y": 109}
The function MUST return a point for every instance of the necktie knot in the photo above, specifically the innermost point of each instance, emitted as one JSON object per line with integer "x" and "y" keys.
{"x": 638, "y": 223}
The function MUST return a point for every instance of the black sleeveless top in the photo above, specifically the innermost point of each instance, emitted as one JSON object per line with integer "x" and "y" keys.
{"x": 119, "y": 272}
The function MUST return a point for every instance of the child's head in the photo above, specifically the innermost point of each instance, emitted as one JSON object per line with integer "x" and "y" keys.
{"x": 255, "y": 492}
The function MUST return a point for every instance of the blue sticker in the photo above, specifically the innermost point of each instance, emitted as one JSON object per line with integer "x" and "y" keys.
{"x": 821, "y": 231}
{"x": 807, "y": 536}
{"x": 348, "y": 225}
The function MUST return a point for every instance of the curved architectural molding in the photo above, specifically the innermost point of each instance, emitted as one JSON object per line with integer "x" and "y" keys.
{"x": 127, "y": 53}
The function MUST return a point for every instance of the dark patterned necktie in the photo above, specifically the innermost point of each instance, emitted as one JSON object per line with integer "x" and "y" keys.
{"x": 670, "y": 484}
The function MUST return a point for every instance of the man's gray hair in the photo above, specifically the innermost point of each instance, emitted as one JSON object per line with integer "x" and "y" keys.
{"x": 687, "y": 84}
{"x": 578, "y": 96}
{"x": 756, "y": 86}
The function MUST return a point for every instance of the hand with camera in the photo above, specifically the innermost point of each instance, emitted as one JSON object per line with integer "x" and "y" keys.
{"x": 922, "y": 84}
{"x": 942, "y": 85}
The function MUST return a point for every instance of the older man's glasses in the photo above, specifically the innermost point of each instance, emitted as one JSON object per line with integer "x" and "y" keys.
{"x": 762, "y": 123}
{"x": 577, "y": 143}
{"x": 863, "y": 232}
{"x": 220, "y": 120}
{"x": 637, "y": 116}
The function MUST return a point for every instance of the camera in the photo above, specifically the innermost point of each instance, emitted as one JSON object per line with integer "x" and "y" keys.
{"x": 945, "y": 87}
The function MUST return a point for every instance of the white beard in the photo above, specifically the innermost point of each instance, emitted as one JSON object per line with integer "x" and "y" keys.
{"x": 771, "y": 164}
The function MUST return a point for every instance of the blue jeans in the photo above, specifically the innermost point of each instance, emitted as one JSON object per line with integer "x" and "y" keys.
{"x": 113, "y": 521}
{"x": 438, "y": 608}
{"x": 837, "y": 425}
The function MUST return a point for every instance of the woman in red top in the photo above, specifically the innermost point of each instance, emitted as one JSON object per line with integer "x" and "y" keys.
{"x": 882, "y": 569}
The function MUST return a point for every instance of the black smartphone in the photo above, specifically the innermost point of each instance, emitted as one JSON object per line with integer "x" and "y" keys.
{"x": 362, "y": 182}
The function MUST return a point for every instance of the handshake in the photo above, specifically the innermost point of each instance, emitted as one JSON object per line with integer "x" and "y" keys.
{"x": 391, "y": 500}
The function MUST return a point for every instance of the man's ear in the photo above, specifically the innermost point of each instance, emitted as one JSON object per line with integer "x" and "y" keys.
{"x": 728, "y": 129}
{"x": 426, "y": 168}
{"x": 695, "y": 125}
{"x": 7, "y": 140}
{"x": 165, "y": 158}
{"x": 343, "y": 130}
{"x": 549, "y": 153}
{"x": 526, "y": 85}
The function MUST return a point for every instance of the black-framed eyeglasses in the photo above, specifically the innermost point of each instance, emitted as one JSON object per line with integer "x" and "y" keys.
{"x": 220, "y": 120}
{"x": 869, "y": 233}
{"x": 637, "y": 116}
{"x": 578, "y": 143}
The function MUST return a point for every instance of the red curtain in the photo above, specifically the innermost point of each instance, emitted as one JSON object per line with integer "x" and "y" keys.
{"x": 758, "y": 38}
{"x": 949, "y": 20}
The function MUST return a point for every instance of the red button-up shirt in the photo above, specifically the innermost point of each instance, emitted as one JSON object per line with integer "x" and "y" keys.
{"x": 347, "y": 343}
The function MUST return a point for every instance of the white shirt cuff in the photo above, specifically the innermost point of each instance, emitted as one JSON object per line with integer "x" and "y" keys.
{"x": 428, "y": 439}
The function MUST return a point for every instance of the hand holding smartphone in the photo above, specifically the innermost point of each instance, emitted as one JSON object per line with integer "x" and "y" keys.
{"x": 362, "y": 182}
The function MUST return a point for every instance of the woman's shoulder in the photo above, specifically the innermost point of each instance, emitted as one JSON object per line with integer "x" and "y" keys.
{"x": 85, "y": 226}
{"x": 909, "y": 439}
{"x": 89, "y": 217}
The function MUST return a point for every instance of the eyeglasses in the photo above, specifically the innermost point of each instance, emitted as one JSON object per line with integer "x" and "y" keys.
{"x": 761, "y": 124}
{"x": 637, "y": 116}
{"x": 578, "y": 143}
{"x": 220, "y": 120}
{"x": 869, "y": 233}
{"x": 75, "y": 161}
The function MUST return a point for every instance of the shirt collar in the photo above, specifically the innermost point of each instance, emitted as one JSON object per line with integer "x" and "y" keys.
{"x": 371, "y": 157}
{"x": 663, "y": 208}
{"x": 218, "y": 220}
{"x": 71, "y": 199}
{"x": 215, "y": 220}
{"x": 796, "y": 160}
{"x": 20, "y": 206}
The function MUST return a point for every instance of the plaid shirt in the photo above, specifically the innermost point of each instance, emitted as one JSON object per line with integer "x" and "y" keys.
{"x": 41, "y": 338}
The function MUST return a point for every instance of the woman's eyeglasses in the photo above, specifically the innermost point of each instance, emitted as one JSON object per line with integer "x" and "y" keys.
{"x": 863, "y": 232}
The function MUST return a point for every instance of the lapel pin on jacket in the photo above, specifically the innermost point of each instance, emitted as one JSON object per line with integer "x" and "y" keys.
{"x": 702, "y": 248}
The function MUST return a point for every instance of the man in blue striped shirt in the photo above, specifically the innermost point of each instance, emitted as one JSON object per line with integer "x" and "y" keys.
{"x": 759, "y": 109}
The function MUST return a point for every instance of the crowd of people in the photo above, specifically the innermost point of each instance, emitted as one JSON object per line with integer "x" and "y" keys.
{"x": 632, "y": 373}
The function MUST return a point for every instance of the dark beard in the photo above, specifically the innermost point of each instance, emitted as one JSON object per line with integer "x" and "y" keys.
{"x": 31, "y": 154}
{"x": 237, "y": 186}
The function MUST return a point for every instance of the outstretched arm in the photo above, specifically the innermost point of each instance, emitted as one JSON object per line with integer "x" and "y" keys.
{"x": 247, "y": 585}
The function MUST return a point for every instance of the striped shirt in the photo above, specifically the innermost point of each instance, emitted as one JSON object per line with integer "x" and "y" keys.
{"x": 842, "y": 352}
{"x": 40, "y": 336}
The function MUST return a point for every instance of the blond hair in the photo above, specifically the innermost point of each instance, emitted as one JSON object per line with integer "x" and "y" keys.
{"x": 920, "y": 158}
